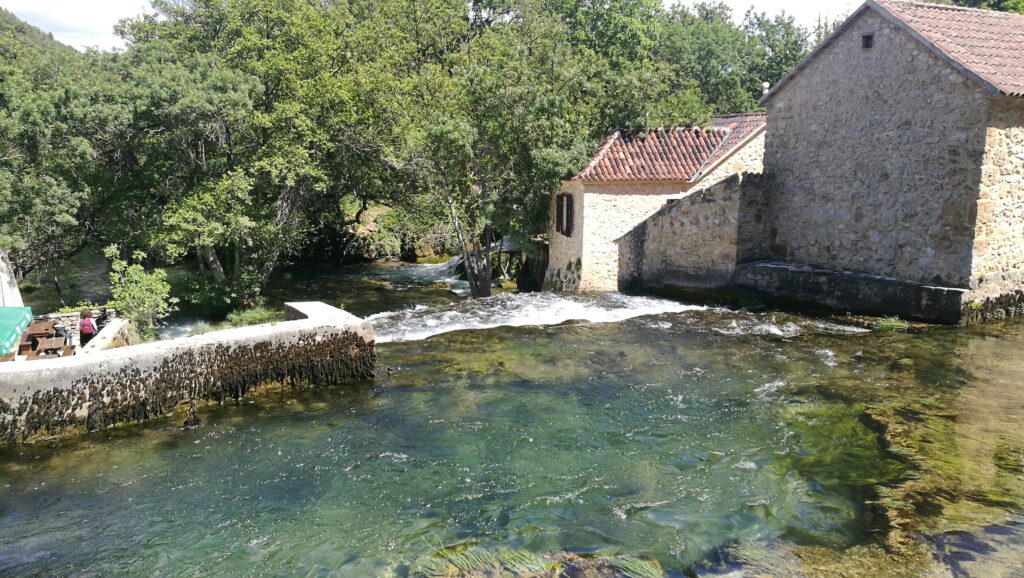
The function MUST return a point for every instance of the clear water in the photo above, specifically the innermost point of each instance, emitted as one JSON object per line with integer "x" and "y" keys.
{"x": 596, "y": 424}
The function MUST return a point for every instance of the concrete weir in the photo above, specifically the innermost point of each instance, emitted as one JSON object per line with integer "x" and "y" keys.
{"x": 317, "y": 344}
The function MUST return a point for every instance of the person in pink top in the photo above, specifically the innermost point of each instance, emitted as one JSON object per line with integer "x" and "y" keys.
{"x": 86, "y": 327}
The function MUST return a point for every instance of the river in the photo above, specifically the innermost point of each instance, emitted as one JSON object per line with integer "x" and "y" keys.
{"x": 716, "y": 442}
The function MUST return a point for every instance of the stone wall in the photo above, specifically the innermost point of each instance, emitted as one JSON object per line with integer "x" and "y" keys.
{"x": 116, "y": 333}
{"x": 878, "y": 152}
{"x": 999, "y": 238}
{"x": 748, "y": 159}
{"x": 565, "y": 254}
{"x": 588, "y": 261}
{"x": 848, "y": 292}
{"x": 133, "y": 384}
{"x": 612, "y": 211}
{"x": 695, "y": 242}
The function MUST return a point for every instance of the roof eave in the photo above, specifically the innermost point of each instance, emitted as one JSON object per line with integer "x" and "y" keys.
{"x": 989, "y": 88}
{"x": 814, "y": 53}
{"x": 672, "y": 181}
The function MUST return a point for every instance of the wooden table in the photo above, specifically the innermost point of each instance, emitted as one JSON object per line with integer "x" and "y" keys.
{"x": 41, "y": 329}
{"x": 50, "y": 344}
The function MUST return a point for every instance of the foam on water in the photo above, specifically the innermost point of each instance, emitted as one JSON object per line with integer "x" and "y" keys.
{"x": 518, "y": 310}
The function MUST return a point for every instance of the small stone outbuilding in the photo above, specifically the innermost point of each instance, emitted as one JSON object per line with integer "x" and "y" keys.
{"x": 893, "y": 180}
{"x": 632, "y": 175}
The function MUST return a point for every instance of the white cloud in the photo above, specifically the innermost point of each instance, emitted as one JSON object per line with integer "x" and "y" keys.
{"x": 78, "y": 23}
{"x": 83, "y": 23}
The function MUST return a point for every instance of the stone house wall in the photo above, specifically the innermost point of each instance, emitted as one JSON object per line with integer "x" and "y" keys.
{"x": 696, "y": 242}
{"x": 603, "y": 212}
{"x": 611, "y": 212}
{"x": 565, "y": 254}
{"x": 999, "y": 237}
{"x": 878, "y": 152}
{"x": 748, "y": 159}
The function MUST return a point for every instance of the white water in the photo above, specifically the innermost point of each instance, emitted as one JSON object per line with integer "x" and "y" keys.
{"x": 517, "y": 310}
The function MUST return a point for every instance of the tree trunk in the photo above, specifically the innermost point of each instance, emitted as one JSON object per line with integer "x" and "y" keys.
{"x": 479, "y": 280}
{"x": 236, "y": 272}
{"x": 209, "y": 256}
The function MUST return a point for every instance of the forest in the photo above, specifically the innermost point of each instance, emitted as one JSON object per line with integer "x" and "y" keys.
{"x": 233, "y": 136}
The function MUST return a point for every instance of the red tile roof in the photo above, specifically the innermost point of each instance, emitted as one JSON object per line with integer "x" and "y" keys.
{"x": 676, "y": 154}
{"x": 987, "y": 43}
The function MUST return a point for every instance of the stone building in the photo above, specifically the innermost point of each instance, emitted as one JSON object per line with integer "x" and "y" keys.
{"x": 894, "y": 163}
{"x": 632, "y": 175}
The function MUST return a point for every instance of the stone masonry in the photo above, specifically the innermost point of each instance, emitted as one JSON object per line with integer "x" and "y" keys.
{"x": 894, "y": 179}
{"x": 695, "y": 243}
{"x": 603, "y": 212}
{"x": 879, "y": 154}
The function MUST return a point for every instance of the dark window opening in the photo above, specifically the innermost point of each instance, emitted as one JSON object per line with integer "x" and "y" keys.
{"x": 563, "y": 215}
{"x": 867, "y": 41}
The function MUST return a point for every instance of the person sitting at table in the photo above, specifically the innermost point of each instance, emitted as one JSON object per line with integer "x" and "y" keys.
{"x": 86, "y": 327}
{"x": 60, "y": 331}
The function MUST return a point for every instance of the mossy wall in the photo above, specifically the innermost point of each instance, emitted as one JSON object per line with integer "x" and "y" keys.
{"x": 134, "y": 384}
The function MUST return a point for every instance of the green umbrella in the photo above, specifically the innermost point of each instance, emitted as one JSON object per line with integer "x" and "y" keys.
{"x": 13, "y": 321}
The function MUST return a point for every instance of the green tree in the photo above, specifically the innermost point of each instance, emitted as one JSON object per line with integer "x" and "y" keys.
{"x": 1002, "y": 5}
{"x": 139, "y": 296}
{"x": 778, "y": 44}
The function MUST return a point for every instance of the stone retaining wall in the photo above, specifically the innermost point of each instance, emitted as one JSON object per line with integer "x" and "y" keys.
{"x": 695, "y": 242}
{"x": 849, "y": 292}
{"x": 133, "y": 384}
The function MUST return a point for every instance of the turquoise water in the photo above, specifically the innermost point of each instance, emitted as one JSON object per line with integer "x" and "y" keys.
{"x": 671, "y": 435}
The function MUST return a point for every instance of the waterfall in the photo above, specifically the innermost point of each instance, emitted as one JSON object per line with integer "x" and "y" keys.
{"x": 517, "y": 310}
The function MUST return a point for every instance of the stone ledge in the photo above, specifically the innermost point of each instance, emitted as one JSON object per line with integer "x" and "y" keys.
{"x": 132, "y": 384}
{"x": 851, "y": 292}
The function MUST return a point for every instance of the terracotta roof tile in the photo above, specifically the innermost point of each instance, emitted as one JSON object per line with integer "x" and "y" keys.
{"x": 675, "y": 154}
{"x": 987, "y": 43}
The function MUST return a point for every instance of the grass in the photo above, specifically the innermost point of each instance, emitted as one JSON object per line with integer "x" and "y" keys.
{"x": 891, "y": 324}
{"x": 202, "y": 327}
{"x": 254, "y": 316}
{"x": 241, "y": 318}
{"x": 633, "y": 567}
{"x": 478, "y": 560}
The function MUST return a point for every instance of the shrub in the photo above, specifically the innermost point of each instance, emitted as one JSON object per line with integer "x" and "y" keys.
{"x": 139, "y": 296}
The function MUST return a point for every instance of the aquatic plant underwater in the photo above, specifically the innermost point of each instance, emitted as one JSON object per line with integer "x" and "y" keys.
{"x": 533, "y": 434}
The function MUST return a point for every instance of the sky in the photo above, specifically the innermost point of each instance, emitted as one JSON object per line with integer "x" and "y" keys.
{"x": 86, "y": 23}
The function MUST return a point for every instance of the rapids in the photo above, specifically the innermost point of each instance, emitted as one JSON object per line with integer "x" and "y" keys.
{"x": 712, "y": 440}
